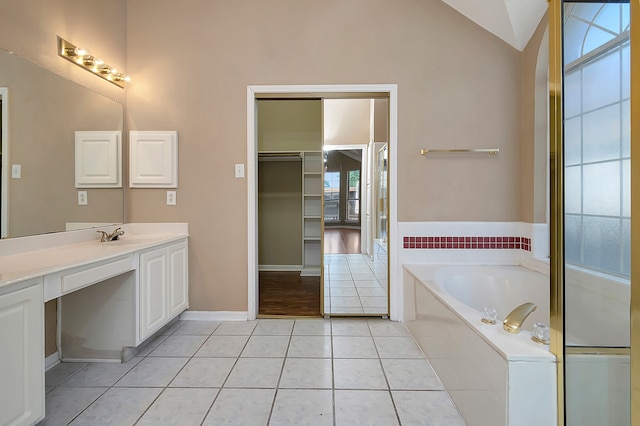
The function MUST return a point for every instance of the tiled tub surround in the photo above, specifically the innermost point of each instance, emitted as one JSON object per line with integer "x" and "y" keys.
{"x": 493, "y": 377}
{"x": 479, "y": 243}
{"x": 276, "y": 372}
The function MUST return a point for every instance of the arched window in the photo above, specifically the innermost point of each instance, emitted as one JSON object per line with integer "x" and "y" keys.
{"x": 596, "y": 136}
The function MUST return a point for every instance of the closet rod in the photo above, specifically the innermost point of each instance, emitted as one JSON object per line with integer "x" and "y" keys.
{"x": 279, "y": 156}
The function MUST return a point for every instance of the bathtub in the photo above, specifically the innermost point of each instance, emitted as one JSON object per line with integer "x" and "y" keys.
{"x": 494, "y": 378}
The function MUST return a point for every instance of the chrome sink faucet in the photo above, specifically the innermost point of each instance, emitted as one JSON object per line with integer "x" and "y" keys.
{"x": 112, "y": 236}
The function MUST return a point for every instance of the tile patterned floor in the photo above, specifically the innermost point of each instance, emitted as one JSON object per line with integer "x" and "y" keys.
{"x": 354, "y": 284}
{"x": 265, "y": 372}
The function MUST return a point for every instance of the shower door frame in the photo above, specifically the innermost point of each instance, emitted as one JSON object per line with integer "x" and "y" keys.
{"x": 557, "y": 260}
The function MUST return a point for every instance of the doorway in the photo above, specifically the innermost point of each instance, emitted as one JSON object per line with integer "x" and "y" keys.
{"x": 254, "y": 93}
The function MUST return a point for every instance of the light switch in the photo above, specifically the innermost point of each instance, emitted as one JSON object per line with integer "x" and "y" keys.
{"x": 171, "y": 198}
{"x": 239, "y": 170}
{"x": 16, "y": 171}
{"x": 83, "y": 200}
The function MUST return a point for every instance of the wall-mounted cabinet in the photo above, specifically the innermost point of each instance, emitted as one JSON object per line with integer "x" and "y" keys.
{"x": 153, "y": 159}
{"x": 98, "y": 158}
{"x": 312, "y": 213}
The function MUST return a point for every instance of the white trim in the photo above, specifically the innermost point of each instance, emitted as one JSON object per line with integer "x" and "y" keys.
{"x": 213, "y": 316}
{"x": 6, "y": 174}
{"x": 286, "y": 268}
{"x": 395, "y": 273}
{"x": 51, "y": 361}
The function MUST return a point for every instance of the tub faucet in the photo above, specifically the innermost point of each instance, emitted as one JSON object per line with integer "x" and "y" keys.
{"x": 514, "y": 320}
{"x": 112, "y": 236}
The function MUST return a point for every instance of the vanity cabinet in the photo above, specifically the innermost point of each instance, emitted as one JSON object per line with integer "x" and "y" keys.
{"x": 22, "y": 368}
{"x": 163, "y": 278}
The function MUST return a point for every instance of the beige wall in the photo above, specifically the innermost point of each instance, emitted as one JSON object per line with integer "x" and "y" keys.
{"x": 458, "y": 86}
{"x": 534, "y": 133}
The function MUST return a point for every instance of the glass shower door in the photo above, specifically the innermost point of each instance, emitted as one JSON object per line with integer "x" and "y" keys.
{"x": 597, "y": 212}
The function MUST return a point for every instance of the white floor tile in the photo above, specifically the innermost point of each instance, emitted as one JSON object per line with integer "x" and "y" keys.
{"x": 411, "y": 374}
{"x": 358, "y": 374}
{"x": 266, "y": 346}
{"x": 255, "y": 373}
{"x": 65, "y": 403}
{"x": 344, "y": 327}
{"x": 398, "y": 347}
{"x": 241, "y": 407}
{"x": 364, "y": 407}
{"x": 197, "y": 327}
{"x": 307, "y": 373}
{"x": 273, "y": 327}
{"x": 353, "y": 347}
{"x": 62, "y": 372}
{"x": 236, "y": 328}
{"x": 310, "y": 347}
{"x": 303, "y": 407}
{"x": 345, "y": 301}
{"x": 381, "y": 327}
{"x": 426, "y": 408}
{"x": 179, "y": 346}
{"x": 98, "y": 374}
{"x": 152, "y": 372}
{"x": 373, "y": 302}
{"x": 222, "y": 346}
{"x": 344, "y": 291}
{"x": 204, "y": 373}
{"x": 179, "y": 407}
{"x": 372, "y": 292}
{"x": 312, "y": 327}
{"x": 118, "y": 406}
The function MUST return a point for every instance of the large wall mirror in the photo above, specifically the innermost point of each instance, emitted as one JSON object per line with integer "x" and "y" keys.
{"x": 41, "y": 113}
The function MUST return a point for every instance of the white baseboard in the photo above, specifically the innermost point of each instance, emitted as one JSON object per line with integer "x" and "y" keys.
{"x": 51, "y": 361}
{"x": 214, "y": 316}
{"x": 279, "y": 268}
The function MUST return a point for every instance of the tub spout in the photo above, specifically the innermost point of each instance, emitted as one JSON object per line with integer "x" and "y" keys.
{"x": 514, "y": 320}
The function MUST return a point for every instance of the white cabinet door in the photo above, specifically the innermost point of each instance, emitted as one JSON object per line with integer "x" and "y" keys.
{"x": 22, "y": 354}
{"x": 153, "y": 291}
{"x": 178, "y": 292}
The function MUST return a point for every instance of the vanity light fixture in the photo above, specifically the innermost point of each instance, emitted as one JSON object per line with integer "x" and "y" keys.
{"x": 84, "y": 59}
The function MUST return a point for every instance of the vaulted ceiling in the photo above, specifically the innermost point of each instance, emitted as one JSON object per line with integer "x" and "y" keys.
{"x": 514, "y": 21}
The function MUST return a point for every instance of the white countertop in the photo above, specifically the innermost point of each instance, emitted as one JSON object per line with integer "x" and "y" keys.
{"x": 49, "y": 258}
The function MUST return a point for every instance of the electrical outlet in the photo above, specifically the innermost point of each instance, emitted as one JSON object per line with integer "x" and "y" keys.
{"x": 239, "y": 170}
{"x": 83, "y": 200}
{"x": 171, "y": 198}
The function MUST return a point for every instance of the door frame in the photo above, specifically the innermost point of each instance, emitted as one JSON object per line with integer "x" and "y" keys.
{"x": 255, "y": 92}
{"x": 4, "y": 189}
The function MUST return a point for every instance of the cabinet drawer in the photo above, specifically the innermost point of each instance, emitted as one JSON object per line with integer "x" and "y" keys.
{"x": 94, "y": 274}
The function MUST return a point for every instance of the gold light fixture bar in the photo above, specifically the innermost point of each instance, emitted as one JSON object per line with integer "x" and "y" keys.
{"x": 84, "y": 59}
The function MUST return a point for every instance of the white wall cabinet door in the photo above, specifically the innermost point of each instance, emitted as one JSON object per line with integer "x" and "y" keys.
{"x": 22, "y": 354}
{"x": 153, "y": 291}
{"x": 178, "y": 278}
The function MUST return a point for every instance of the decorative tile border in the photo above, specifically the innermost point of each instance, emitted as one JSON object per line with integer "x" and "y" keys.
{"x": 476, "y": 243}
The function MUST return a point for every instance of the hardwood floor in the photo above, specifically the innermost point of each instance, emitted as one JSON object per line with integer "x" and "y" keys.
{"x": 341, "y": 241}
{"x": 287, "y": 293}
